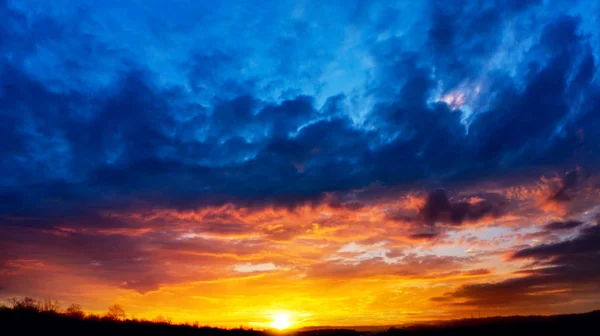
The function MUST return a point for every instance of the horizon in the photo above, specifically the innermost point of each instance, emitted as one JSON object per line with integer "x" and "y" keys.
{"x": 294, "y": 163}
{"x": 28, "y": 306}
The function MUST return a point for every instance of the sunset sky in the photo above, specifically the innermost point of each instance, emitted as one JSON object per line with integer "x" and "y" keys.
{"x": 325, "y": 162}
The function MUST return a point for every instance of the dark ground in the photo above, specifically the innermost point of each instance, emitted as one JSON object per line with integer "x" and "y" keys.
{"x": 35, "y": 323}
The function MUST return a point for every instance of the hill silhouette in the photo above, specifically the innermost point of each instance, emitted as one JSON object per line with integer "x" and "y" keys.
{"x": 571, "y": 324}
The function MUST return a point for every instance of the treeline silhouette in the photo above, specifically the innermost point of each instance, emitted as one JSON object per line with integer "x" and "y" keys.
{"x": 28, "y": 316}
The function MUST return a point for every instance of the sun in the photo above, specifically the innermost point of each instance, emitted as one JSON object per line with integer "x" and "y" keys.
{"x": 281, "y": 321}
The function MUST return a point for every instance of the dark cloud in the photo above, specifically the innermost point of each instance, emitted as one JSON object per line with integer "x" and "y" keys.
{"x": 567, "y": 225}
{"x": 587, "y": 242}
{"x": 424, "y": 236}
{"x": 515, "y": 112}
{"x": 512, "y": 292}
{"x": 568, "y": 182}
{"x": 563, "y": 269}
{"x": 439, "y": 208}
{"x": 140, "y": 141}
{"x": 463, "y": 37}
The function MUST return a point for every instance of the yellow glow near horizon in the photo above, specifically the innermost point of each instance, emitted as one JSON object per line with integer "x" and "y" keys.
{"x": 281, "y": 321}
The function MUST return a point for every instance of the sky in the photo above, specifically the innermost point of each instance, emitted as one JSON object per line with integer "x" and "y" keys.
{"x": 336, "y": 162}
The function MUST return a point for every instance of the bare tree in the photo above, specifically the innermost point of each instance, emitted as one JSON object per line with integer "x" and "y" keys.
{"x": 25, "y": 304}
{"x": 49, "y": 306}
{"x": 162, "y": 319}
{"x": 75, "y": 310}
{"x": 115, "y": 313}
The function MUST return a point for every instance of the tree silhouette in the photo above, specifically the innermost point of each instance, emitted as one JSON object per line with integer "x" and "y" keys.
{"x": 49, "y": 306}
{"x": 75, "y": 310}
{"x": 116, "y": 313}
{"x": 25, "y": 304}
{"x": 162, "y": 319}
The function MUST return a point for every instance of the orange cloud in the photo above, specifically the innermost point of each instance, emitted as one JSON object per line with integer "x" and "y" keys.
{"x": 232, "y": 264}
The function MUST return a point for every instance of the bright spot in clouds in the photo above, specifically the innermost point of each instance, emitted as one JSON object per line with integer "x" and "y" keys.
{"x": 454, "y": 100}
{"x": 248, "y": 267}
{"x": 463, "y": 97}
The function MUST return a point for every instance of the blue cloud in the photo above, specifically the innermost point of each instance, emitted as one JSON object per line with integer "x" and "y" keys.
{"x": 191, "y": 103}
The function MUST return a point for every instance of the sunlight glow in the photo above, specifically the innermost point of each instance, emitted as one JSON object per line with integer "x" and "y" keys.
{"x": 281, "y": 321}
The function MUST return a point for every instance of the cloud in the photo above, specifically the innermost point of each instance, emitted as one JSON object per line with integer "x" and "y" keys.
{"x": 439, "y": 208}
{"x": 142, "y": 135}
{"x": 561, "y": 272}
{"x": 378, "y": 260}
{"x": 424, "y": 236}
{"x": 567, "y": 183}
{"x": 585, "y": 243}
{"x": 245, "y": 148}
{"x": 567, "y": 225}
{"x": 251, "y": 268}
